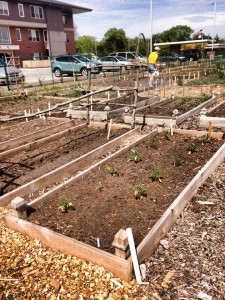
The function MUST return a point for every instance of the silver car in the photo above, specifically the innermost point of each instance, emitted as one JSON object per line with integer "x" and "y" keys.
{"x": 14, "y": 74}
{"x": 113, "y": 63}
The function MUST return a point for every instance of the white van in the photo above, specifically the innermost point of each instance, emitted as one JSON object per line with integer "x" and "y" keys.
{"x": 130, "y": 56}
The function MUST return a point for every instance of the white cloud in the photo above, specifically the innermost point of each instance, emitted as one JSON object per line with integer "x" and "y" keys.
{"x": 134, "y": 16}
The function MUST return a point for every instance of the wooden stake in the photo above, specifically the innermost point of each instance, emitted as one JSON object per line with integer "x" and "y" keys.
{"x": 210, "y": 130}
{"x": 109, "y": 130}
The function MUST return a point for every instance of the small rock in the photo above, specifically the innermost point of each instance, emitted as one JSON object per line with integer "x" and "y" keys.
{"x": 203, "y": 296}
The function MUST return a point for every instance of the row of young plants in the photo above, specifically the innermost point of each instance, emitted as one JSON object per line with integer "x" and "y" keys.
{"x": 139, "y": 190}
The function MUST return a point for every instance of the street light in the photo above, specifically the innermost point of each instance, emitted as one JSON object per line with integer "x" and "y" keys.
{"x": 214, "y": 25}
{"x": 150, "y": 26}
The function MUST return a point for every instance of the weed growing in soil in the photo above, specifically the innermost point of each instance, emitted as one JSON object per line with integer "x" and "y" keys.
{"x": 135, "y": 155}
{"x": 99, "y": 186}
{"x": 167, "y": 135}
{"x": 139, "y": 190}
{"x": 192, "y": 148}
{"x": 152, "y": 143}
{"x": 64, "y": 204}
{"x": 112, "y": 170}
{"x": 156, "y": 174}
{"x": 177, "y": 160}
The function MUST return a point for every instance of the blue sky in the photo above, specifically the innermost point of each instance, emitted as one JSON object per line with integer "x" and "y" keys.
{"x": 133, "y": 16}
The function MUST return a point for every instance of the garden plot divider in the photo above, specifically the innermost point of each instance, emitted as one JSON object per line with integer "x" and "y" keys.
{"x": 103, "y": 115}
{"x": 144, "y": 119}
{"x": 68, "y": 169}
{"x": 34, "y": 135}
{"x": 205, "y": 121}
{"x": 42, "y": 141}
{"x": 118, "y": 266}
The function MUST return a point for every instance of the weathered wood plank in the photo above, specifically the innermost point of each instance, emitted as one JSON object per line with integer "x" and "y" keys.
{"x": 215, "y": 121}
{"x": 65, "y": 170}
{"x": 34, "y": 136}
{"x": 197, "y": 133}
{"x": 40, "y": 142}
{"x": 119, "y": 267}
{"x": 150, "y": 243}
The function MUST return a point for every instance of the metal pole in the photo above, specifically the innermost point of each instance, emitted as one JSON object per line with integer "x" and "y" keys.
{"x": 150, "y": 26}
{"x": 6, "y": 74}
{"x": 214, "y": 25}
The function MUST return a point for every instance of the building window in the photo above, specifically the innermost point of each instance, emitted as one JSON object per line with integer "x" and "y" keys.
{"x": 21, "y": 10}
{"x": 36, "y": 12}
{"x": 4, "y": 36}
{"x": 45, "y": 35}
{"x": 67, "y": 38}
{"x": 33, "y": 35}
{"x": 18, "y": 34}
{"x": 65, "y": 19}
{"x": 4, "y": 10}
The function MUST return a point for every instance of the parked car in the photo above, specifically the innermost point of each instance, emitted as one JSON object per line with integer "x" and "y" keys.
{"x": 73, "y": 64}
{"x": 14, "y": 74}
{"x": 110, "y": 63}
{"x": 130, "y": 56}
{"x": 171, "y": 57}
{"x": 191, "y": 54}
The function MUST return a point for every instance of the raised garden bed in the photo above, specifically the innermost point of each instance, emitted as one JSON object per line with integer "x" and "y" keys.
{"x": 214, "y": 117}
{"x": 109, "y": 109}
{"x": 169, "y": 112}
{"x": 102, "y": 203}
{"x": 27, "y": 162}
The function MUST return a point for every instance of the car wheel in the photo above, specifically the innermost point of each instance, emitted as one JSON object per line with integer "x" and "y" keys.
{"x": 57, "y": 72}
{"x": 83, "y": 71}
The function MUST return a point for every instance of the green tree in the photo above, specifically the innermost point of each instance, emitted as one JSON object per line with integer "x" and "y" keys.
{"x": 86, "y": 44}
{"x": 176, "y": 33}
{"x": 115, "y": 40}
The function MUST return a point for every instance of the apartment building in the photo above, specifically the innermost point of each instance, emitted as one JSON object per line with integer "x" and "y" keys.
{"x": 36, "y": 29}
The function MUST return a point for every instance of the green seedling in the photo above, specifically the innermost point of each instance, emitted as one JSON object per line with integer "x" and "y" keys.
{"x": 112, "y": 170}
{"x": 153, "y": 143}
{"x": 99, "y": 186}
{"x": 192, "y": 148}
{"x": 64, "y": 204}
{"x": 156, "y": 174}
{"x": 177, "y": 160}
{"x": 139, "y": 190}
{"x": 167, "y": 135}
{"x": 135, "y": 155}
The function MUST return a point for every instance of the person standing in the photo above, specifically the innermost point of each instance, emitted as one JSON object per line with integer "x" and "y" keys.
{"x": 152, "y": 65}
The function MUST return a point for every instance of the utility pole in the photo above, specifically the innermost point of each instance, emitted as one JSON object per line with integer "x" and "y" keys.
{"x": 214, "y": 25}
{"x": 150, "y": 26}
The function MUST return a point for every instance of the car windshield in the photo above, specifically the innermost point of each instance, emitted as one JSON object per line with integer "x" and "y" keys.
{"x": 121, "y": 58}
{"x": 82, "y": 58}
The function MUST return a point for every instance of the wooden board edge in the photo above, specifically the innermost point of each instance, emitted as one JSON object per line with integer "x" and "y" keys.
{"x": 151, "y": 241}
{"x": 119, "y": 267}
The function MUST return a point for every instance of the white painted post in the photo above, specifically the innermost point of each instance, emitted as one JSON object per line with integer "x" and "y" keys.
{"x": 49, "y": 107}
{"x": 25, "y": 113}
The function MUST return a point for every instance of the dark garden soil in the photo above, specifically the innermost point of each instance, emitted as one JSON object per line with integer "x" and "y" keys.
{"x": 105, "y": 203}
{"x": 167, "y": 107}
{"x": 118, "y": 103}
{"x": 219, "y": 112}
{"x": 28, "y": 165}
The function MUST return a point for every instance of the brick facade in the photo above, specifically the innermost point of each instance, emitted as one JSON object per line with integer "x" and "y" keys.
{"x": 51, "y": 19}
